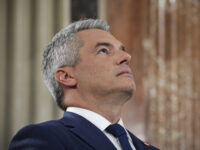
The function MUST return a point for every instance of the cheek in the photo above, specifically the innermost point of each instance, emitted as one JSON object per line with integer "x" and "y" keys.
{"x": 96, "y": 69}
{"x": 96, "y": 73}
{"x": 86, "y": 71}
{"x": 102, "y": 71}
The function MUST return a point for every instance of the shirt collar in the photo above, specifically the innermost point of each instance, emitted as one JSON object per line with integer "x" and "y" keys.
{"x": 99, "y": 121}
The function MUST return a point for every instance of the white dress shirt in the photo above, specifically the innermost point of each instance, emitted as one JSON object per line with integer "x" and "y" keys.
{"x": 101, "y": 123}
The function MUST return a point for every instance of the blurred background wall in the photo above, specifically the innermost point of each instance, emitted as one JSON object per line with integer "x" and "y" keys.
{"x": 161, "y": 35}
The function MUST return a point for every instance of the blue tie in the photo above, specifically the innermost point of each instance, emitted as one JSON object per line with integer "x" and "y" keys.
{"x": 119, "y": 132}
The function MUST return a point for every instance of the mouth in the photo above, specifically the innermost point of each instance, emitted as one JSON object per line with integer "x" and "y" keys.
{"x": 125, "y": 73}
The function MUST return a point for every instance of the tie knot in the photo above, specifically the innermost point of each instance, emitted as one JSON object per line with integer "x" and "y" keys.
{"x": 116, "y": 130}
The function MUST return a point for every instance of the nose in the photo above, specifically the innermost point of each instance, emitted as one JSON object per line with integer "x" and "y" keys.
{"x": 124, "y": 58}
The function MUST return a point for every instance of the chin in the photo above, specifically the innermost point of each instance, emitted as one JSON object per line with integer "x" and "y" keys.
{"x": 128, "y": 85}
{"x": 126, "y": 94}
{"x": 127, "y": 89}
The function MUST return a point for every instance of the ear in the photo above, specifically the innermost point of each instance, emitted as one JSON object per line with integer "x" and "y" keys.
{"x": 65, "y": 76}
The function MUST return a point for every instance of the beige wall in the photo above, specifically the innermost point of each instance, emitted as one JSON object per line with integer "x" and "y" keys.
{"x": 164, "y": 40}
{"x": 172, "y": 81}
{"x": 26, "y": 28}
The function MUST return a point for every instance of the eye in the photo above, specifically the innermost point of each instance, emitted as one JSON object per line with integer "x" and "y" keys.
{"x": 103, "y": 51}
{"x": 123, "y": 48}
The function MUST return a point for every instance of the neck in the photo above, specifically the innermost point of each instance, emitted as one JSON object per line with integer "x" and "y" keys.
{"x": 108, "y": 106}
{"x": 111, "y": 113}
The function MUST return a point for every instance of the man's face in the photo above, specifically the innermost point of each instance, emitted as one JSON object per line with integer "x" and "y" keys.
{"x": 104, "y": 65}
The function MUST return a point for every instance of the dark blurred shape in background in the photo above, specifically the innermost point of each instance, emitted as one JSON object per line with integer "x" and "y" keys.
{"x": 81, "y": 9}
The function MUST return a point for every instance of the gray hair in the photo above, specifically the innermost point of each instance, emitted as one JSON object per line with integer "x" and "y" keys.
{"x": 63, "y": 50}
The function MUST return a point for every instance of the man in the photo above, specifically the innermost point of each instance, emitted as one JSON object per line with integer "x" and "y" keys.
{"x": 87, "y": 72}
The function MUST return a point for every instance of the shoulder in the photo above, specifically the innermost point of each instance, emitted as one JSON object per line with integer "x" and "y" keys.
{"x": 47, "y": 135}
{"x": 45, "y": 128}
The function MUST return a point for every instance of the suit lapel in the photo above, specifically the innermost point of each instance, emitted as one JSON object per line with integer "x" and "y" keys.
{"x": 139, "y": 145}
{"x": 87, "y": 131}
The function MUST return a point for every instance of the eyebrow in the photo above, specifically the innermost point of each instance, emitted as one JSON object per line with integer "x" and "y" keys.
{"x": 103, "y": 44}
{"x": 107, "y": 44}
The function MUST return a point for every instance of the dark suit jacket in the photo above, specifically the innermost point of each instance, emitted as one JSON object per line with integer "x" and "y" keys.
{"x": 72, "y": 132}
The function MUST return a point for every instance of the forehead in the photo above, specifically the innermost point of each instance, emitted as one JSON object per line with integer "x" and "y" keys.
{"x": 96, "y": 35}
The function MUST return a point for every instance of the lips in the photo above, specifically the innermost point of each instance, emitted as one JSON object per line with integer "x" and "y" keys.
{"x": 125, "y": 73}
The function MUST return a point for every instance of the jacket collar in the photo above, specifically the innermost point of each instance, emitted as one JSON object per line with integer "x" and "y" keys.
{"x": 87, "y": 131}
